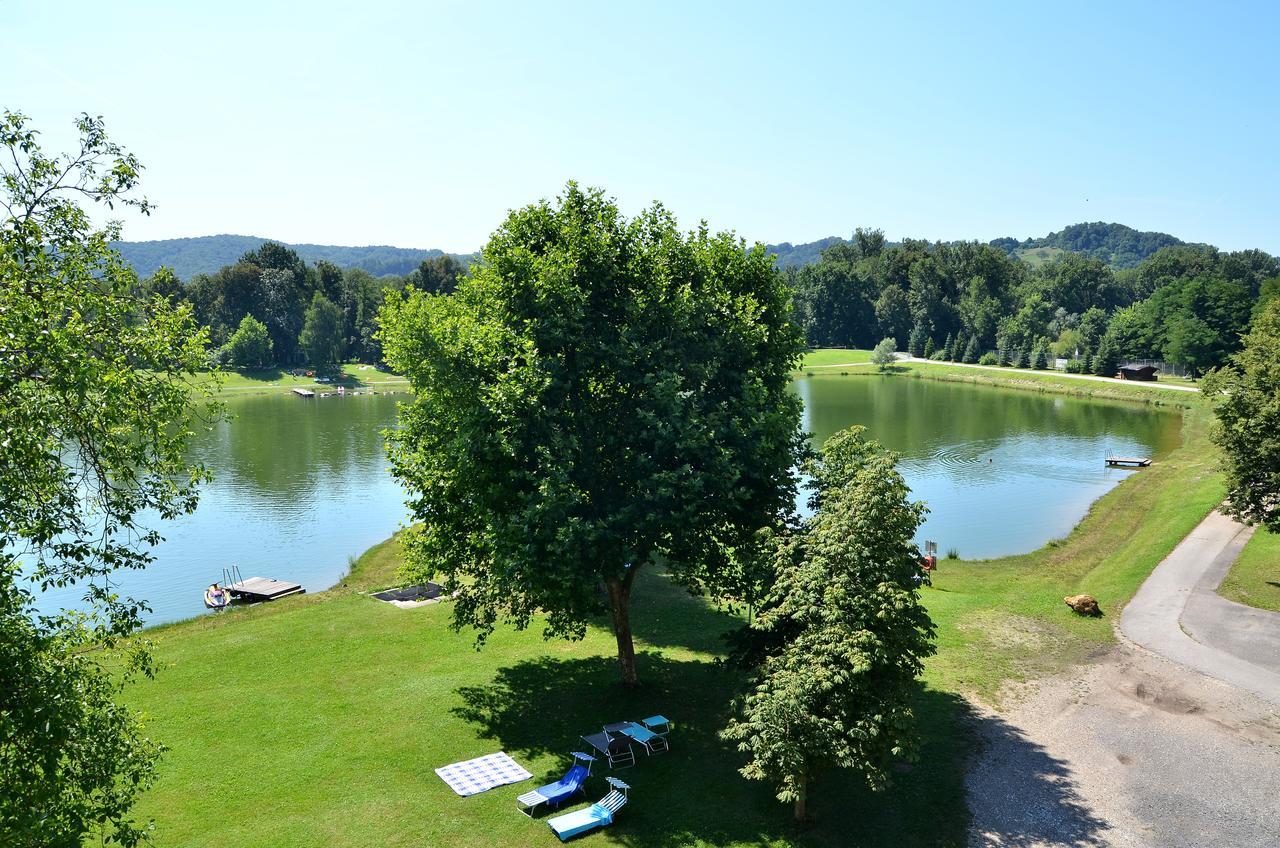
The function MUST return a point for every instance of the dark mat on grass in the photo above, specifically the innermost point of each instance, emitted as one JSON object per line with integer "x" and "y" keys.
{"x": 421, "y": 592}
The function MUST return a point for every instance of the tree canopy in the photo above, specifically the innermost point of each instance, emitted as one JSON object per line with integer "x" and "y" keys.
{"x": 1247, "y": 394}
{"x": 98, "y": 408}
{"x": 842, "y": 631}
{"x": 599, "y": 393}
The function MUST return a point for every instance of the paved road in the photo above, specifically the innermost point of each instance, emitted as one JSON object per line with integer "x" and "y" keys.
{"x": 1178, "y": 614}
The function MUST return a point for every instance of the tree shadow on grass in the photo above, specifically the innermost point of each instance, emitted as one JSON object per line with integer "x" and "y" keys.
{"x": 1023, "y": 796}
{"x": 693, "y": 794}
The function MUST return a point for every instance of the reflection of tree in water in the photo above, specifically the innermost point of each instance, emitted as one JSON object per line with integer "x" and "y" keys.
{"x": 908, "y": 415}
{"x": 276, "y": 444}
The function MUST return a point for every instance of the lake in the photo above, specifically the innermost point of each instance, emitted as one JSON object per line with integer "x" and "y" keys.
{"x": 301, "y": 486}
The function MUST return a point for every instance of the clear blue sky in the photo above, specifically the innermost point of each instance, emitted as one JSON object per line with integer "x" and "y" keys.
{"x": 420, "y": 124}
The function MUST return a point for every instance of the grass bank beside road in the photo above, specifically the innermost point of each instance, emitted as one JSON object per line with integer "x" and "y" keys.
{"x": 319, "y": 719}
{"x": 1255, "y": 577}
{"x": 1015, "y": 378}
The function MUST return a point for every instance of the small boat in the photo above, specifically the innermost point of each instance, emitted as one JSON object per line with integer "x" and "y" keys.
{"x": 216, "y": 597}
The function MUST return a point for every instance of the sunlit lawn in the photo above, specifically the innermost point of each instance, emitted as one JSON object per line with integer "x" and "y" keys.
{"x": 319, "y": 720}
{"x": 352, "y": 375}
{"x": 1255, "y": 578}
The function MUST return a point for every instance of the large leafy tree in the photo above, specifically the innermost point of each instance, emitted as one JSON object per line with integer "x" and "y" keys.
{"x": 322, "y": 337}
{"x": 96, "y": 414}
{"x": 1248, "y": 409}
{"x": 842, "y": 632}
{"x": 599, "y": 395}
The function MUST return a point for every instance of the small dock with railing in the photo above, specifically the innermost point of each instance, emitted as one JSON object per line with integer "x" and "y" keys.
{"x": 256, "y": 589}
{"x": 307, "y": 393}
{"x": 1128, "y": 462}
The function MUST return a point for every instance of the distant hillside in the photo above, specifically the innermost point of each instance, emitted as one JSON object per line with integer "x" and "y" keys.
{"x": 206, "y": 254}
{"x": 793, "y": 255}
{"x": 1115, "y": 244}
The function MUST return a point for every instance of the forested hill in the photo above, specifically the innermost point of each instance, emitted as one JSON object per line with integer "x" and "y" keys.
{"x": 1113, "y": 244}
{"x": 206, "y": 254}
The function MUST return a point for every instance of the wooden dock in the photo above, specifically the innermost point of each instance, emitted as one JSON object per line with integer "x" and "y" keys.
{"x": 262, "y": 589}
{"x": 1128, "y": 462}
{"x": 304, "y": 393}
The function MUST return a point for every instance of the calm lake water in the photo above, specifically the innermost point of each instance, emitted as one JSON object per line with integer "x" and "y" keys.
{"x": 1002, "y": 470}
{"x": 301, "y": 486}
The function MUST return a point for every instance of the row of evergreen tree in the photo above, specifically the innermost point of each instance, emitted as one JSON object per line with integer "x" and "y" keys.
{"x": 1103, "y": 361}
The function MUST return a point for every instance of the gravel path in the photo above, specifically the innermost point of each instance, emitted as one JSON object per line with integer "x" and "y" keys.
{"x": 1129, "y": 750}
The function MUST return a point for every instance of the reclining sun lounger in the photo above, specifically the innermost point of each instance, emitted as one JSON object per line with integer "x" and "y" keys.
{"x": 659, "y": 724}
{"x": 555, "y": 794}
{"x": 599, "y": 814}
{"x": 651, "y": 741}
{"x": 612, "y": 746}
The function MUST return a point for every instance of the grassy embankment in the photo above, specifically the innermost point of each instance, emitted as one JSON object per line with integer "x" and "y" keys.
{"x": 352, "y": 375}
{"x": 319, "y": 719}
{"x": 1017, "y": 378}
{"x": 1255, "y": 578}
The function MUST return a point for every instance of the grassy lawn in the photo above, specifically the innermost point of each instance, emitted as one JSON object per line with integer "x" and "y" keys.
{"x": 353, "y": 375}
{"x": 1050, "y": 381}
{"x": 830, "y": 356}
{"x": 1255, "y": 578}
{"x": 319, "y": 719}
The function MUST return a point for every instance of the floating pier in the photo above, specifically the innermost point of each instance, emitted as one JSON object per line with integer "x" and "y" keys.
{"x": 304, "y": 393}
{"x": 262, "y": 589}
{"x": 1128, "y": 462}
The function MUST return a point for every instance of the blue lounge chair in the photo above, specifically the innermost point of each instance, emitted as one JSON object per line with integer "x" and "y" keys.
{"x": 599, "y": 814}
{"x": 555, "y": 794}
{"x": 652, "y": 742}
{"x": 659, "y": 724}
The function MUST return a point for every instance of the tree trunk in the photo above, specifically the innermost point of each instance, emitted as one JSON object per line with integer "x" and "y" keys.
{"x": 620, "y": 609}
{"x": 802, "y": 789}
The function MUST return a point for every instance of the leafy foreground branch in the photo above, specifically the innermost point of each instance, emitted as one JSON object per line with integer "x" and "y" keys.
{"x": 842, "y": 631}
{"x": 97, "y": 410}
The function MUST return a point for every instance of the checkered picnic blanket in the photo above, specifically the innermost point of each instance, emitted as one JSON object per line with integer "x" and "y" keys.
{"x": 472, "y": 777}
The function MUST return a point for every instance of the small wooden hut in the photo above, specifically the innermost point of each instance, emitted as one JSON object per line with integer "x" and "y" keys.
{"x": 1145, "y": 373}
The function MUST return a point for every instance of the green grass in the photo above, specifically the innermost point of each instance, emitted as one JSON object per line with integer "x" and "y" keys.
{"x": 318, "y": 719}
{"x": 1255, "y": 577}
{"x": 1034, "y": 256}
{"x": 353, "y": 375}
{"x": 829, "y": 356}
{"x": 1049, "y": 381}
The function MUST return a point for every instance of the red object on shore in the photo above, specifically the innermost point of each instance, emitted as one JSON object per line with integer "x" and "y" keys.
{"x": 929, "y": 563}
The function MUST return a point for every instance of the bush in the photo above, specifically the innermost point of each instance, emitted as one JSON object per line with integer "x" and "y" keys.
{"x": 939, "y": 355}
{"x": 1075, "y": 366}
{"x": 1039, "y": 359}
{"x": 249, "y": 345}
{"x": 989, "y": 358}
{"x": 883, "y": 355}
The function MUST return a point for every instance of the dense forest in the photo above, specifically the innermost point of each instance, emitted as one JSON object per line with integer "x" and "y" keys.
{"x": 1113, "y": 244}
{"x": 270, "y": 307}
{"x": 1186, "y": 304}
{"x": 187, "y": 257}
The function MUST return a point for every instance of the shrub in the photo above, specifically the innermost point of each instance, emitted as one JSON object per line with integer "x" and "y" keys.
{"x": 989, "y": 358}
{"x": 1075, "y": 366}
{"x": 939, "y": 355}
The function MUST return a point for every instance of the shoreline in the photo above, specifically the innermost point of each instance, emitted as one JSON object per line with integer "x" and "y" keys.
{"x": 1187, "y": 403}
